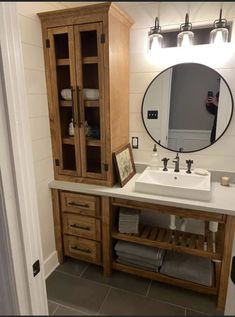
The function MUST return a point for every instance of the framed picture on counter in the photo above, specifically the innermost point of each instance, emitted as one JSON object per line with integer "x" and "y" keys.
{"x": 124, "y": 163}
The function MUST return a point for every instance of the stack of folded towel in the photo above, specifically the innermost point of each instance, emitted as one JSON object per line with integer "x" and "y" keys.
{"x": 128, "y": 220}
{"x": 188, "y": 267}
{"x": 148, "y": 258}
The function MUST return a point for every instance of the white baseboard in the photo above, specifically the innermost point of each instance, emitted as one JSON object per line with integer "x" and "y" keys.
{"x": 50, "y": 264}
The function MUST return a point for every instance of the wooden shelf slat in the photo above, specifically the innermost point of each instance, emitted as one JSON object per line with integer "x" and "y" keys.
{"x": 91, "y": 103}
{"x": 164, "y": 278}
{"x": 90, "y": 60}
{"x": 62, "y": 61}
{"x": 65, "y": 103}
{"x": 162, "y": 238}
{"x": 68, "y": 140}
{"x": 93, "y": 142}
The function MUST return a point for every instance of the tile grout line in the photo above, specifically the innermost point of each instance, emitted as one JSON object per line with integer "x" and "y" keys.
{"x": 57, "y": 307}
{"x": 84, "y": 270}
{"x": 149, "y": 287}
{"x": 104, "y": 300}
{"x": 69, "y": 307}
{"x": 68, "y": 274}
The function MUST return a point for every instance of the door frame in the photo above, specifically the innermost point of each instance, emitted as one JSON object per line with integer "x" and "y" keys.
{"x": 30, "y": 290}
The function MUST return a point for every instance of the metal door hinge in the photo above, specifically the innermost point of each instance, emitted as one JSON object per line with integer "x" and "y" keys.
{"x": 106, "y": 167}
{"x": 36, "y": 267}
{"x": 57, "y": 162}
{"x": 48, "y": 45}
{"x": 102, "y": 38}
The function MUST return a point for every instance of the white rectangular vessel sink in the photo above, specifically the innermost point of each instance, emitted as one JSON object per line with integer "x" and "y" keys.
{"x": 175, "y": 184}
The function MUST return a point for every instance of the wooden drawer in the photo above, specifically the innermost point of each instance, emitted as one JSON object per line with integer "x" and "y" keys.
{"x": 80, "y": 204}
{"x": 82, "y": 249}
{"x": 82, "y": 226}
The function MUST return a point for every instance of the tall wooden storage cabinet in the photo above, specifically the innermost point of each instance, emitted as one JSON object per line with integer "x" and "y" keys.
{"x": 86, "y": 53}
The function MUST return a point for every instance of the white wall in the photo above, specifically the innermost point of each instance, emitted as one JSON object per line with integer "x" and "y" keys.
{"x": 31, "y": 38}
{"x": 220, "y": 156}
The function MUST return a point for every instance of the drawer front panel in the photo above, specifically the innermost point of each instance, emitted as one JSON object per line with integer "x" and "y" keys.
{"x": 80, "y": 204}
{"x": 82, "y": 249}
{"x": 82, "y": 226}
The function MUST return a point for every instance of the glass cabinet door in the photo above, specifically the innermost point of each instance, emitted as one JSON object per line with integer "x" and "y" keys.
{"x": 90, "y": 87}
{"x": 64, "y": 121}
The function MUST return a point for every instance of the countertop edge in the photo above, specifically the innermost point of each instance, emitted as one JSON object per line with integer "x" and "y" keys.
{"x": 216, "y": 205}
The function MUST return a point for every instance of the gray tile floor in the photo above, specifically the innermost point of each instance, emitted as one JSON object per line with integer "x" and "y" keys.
{"x": 78, "y": 288}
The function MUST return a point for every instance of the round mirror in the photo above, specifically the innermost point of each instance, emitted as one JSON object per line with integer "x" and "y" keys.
{"x": 187, "y": 107}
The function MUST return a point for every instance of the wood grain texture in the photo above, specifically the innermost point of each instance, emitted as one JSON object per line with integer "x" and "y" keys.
{"x": 57, "y": 224}
{"x": 85, "y": 205}
{"x": 106, "y": 236}
{"x": 82, "y": 249}
{"x": 190, "y": 213}
{"x": 225, "y": 265}
{"x": 82, "y": 226}
{"x": 113, "y": 73}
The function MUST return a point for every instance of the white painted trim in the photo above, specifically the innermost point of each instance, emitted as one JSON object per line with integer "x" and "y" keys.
{"x": 50, "y": 264}
{"x": 22, "y": 153}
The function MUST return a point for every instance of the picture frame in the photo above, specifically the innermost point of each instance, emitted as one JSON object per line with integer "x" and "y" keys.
{"x": 124, "y": 163}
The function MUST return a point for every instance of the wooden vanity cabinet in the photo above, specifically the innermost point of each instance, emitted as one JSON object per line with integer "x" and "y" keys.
{"x": 183, "y": 242}
{"x": 86, "y": 228}
{"x": 86, "y": 50}
{"x": 78, "y": 229}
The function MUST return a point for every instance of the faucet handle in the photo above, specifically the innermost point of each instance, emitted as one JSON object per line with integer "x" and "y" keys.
{"x": 189, "y": 165}
{"x": 177, "y": 156}
{"x": 165, "y": 160}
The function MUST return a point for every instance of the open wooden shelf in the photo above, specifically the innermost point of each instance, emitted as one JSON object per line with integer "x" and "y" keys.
{"x": 91, "y": 103}
{"x": 93, "y": 142}
{"x": 62, "y": 61}
{"x": 90, "y": 60}
{"x": 65, "y": 103}
{"x": 68, "y": 140}
{"x": 164, "y": 278}
{"x": 173, "y": 240}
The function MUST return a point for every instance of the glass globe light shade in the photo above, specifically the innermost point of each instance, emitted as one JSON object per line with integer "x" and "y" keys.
{"x": 155, "y": 42}
{"x": 185, "y": 39}
{"x": 219, "y": 36}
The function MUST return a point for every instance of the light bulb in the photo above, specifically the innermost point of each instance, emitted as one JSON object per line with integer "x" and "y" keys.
{"x": 185, "y": 39}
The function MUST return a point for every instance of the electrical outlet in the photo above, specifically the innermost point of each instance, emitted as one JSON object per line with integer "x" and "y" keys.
{"x": 135, "y": 142}
{"x": 152, "y": 114}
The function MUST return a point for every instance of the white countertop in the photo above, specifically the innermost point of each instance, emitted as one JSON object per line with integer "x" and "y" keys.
{"x": 222, "y": 198}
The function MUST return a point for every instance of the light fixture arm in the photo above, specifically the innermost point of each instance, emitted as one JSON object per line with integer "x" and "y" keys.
{"x": 186, "y": 26}
{"x": 220, "y": 23}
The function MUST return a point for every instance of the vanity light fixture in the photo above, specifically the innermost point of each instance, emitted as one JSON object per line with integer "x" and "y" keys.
{"x": 155, "y": 36}
{"x": 220, "y": 32}
{"x": 186, "y": 36}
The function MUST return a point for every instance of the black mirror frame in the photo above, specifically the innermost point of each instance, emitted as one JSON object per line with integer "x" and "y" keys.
{"x": 200, "y": 148}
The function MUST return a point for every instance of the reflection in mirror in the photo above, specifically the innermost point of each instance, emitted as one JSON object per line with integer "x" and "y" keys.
{"x": 187, "y": 107}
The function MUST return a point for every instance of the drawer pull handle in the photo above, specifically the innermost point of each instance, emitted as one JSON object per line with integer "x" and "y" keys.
{"x": 73, "y": 203}
{"x": 81, "y": 249}
{"x": 77, "y": 226}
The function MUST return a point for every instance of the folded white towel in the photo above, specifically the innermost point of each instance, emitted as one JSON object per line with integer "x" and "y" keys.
{"x": 66, "y": 94}
{"x": 90, "y": 94}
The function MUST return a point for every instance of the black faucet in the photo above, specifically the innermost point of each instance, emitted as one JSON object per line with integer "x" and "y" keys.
{"x": 177, "y": 163}
{"x": 189, "y": 164}
{"x": 165, "y": 160}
